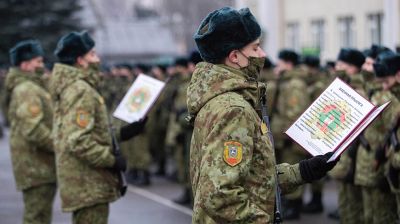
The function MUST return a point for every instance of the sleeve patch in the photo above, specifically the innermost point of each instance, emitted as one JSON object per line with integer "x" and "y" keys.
{"x": 293, "y": 101}
{"x": 82, "y": 118}
{"x": 233, "y": 153}
{"x": 34, "y": 110}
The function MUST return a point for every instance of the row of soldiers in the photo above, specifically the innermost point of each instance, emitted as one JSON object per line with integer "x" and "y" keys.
{"x": 61, "y": 136}
{"x": 367, "y": 173}
{"x": 48, "y": 133}
{"x": 81, "y": 142}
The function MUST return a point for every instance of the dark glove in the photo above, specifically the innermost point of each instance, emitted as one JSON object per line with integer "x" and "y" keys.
{"x": 120, "y": 163}
{"x": 180, "y": 138}
{"x": 316, "y": 167}
{"x": 133, "y": 129}
{"x": 380, "y": 155}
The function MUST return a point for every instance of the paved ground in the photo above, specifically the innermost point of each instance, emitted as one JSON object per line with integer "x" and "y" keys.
{"x": 140, "y": 205}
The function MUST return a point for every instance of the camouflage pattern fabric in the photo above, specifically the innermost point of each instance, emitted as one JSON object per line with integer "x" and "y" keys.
{"x": 179, "y": 130}
{"x": 232, "y": 161}
{"x": 350, "y": 195}
{"x": 97, "y": 214}
{"x": 292, "y": 101}
{"x": 366, "y": 173}
{"x": 377, "y": 202}
{"x": 30, "y": 113}
{"x": 82, "y": 139}
{"x": 350, "y": 204}
{"x": 392, "y": 171}
{"x": 38, "y": 203}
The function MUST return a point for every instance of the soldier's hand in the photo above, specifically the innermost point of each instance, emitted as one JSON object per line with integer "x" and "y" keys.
{"x": 120, "y": 163}
{"x": 315, "y": 168}
{"x": 133, "y": 129}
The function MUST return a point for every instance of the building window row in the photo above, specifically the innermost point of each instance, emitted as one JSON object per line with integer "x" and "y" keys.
{"x": 346, "y": 32}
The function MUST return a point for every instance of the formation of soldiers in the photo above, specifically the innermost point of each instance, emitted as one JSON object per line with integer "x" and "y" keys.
{"x": 367, "y": 173}
{"x": 62, "y": 134}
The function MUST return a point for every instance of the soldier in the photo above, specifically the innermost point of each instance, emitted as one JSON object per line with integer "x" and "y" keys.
{"x": 86, "y": 165}
{"x": 30, "y": 113}
{"x": 289, "y": 102}
{"x": 379, "y": 205}
{"x": 158, "y": 125}
{"x": 232, "y": 168}
{"x": 348, "y": 68}
{"x": 317, "y": 81}
{"x": 367, "y": 69}
{"x": 393, "y": 154}
{"x": 176, "y": 131}
{"x": 186, "y": 131}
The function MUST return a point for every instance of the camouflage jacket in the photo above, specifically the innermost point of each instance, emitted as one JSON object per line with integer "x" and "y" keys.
{"x": 232, "y": 161}
{"x": 393, "y": 165}
{"x": 366, "y": 173}
{"x": 345, "y": 168}
{"x": 177, "y": 124}
{"x": 317, "y": 82}
{"x": 293, "y": 99}
{"x": 82, "y": 139}
{"x": 30, "y": 113}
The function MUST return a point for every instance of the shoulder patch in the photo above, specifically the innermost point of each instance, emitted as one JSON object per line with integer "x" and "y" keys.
{"x": 293, "y": 101}
{"x": 82, "y": 118}
{"x": 233, "y": 153}
{"x": 34, "y": 110}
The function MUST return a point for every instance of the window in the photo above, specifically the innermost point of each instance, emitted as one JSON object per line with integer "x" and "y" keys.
{"x": 346, "y": 32}
{"x": 374, "y": 28}
{"x": 293, "y": 36}
{"x": 318, "y": 34}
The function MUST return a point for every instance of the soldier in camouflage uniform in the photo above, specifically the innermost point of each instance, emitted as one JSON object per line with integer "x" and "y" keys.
{"x": 176, "y": 131}
{"x": 87, "y": 167}
{"x": 184, "y": 136}
{"x": 317, "y": 81}
{"x": 348, "y": 68}
{"x": 30, "y": 113}
{"x": 233, "y": 170}
{"x": 379, "y": 205}
{"x": 393, "y": 153}
{"x": 159, "y": 123}
{"x": 291, "y": 101}
{"x": 137, "y": 150}
{"x": 367, "y": 69}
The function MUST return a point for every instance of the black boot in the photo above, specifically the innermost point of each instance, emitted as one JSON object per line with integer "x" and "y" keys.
{"x": 161, "y": 168}
{"x": 143, "y": 178}
{"x": 131, "y": 176}
{"x": 291, "y": 210}
{"x": 315, "y": 205}
{"x": 334, "y": 215}
{"x": 185, "y": 198}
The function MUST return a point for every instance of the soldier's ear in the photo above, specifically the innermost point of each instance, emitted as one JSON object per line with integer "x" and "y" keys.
{"x": 233, "y": 57}
{"x": 80, "y": 61}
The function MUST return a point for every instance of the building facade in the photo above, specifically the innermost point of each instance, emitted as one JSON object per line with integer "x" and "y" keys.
{"x": 324, "y": 26}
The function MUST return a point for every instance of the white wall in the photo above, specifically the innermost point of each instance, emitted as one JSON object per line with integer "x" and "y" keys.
{"x": 304, "y": 11}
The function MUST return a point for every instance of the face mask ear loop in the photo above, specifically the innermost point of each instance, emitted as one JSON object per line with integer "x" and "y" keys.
{"x": 248, "y": 60}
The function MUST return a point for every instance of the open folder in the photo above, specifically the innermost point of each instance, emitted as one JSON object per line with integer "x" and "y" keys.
{"x": 334, "y": 120}
{"x": 139, "y": 99}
